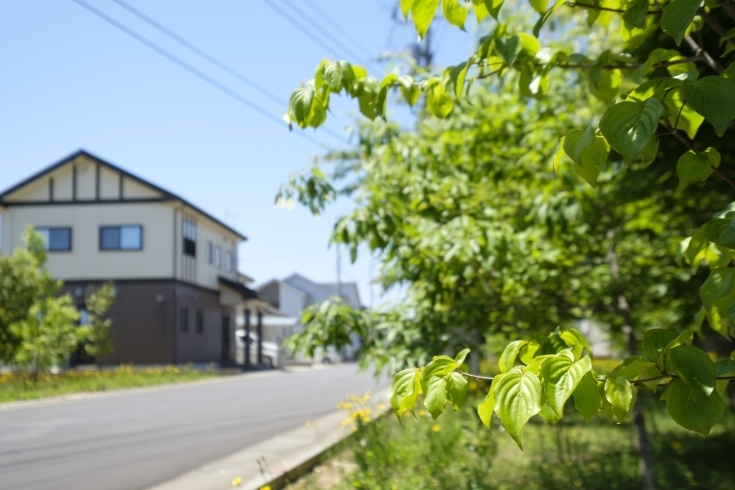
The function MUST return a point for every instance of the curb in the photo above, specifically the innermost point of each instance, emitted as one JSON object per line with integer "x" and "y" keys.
{"x": 276, "y": 461}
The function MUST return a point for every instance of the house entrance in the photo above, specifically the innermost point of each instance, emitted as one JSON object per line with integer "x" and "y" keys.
{"x": 225, "y": 339}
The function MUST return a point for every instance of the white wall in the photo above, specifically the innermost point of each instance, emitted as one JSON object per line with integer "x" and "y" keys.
{"x": 85, "y": 260}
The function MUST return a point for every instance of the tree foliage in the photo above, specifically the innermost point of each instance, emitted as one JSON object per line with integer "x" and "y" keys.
{"x": 508, "y": 233}
{"x": 99, "y": 336}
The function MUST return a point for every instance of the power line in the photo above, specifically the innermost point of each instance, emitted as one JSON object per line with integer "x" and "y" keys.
{"x": 190, "y": 68}
{"x": 326, "y": 33}
{"x": 297, "y": 24}
{"x": 336, "y": 26}
{"x": 200, "y": 52}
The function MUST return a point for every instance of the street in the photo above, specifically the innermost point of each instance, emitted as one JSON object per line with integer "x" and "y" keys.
{"x": 135, "y": 439}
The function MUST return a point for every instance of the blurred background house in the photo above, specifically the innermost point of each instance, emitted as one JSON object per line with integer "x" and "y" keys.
{"x": 173, "y": 265}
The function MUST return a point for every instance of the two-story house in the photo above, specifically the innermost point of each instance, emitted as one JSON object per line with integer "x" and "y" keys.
{"x": 173, "y": 265}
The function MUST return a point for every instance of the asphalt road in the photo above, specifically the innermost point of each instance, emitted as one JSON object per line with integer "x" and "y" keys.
{"x": 135, "y": 439}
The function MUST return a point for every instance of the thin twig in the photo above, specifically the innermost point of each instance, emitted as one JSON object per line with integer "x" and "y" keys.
{"x": 681, "y": 109}
{"x": 606, "y": 9}
{"x": 488, "y": 378}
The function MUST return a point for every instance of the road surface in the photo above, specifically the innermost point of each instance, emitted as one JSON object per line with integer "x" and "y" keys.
{"x": 135, "y": 439}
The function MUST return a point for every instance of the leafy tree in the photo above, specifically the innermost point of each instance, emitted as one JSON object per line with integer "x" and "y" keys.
{"x": 42, "y": 329}
{"x": 656, "y": 101}
{"x": 98, "y": 301}
{"x": 22, "y": 282}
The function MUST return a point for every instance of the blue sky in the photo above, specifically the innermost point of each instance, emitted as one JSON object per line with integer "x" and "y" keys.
{"x": 71, "y": 80}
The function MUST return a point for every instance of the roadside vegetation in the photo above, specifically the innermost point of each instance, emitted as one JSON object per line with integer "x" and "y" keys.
{"x": 457, "y": 451}
{"x": 21, "y": 386}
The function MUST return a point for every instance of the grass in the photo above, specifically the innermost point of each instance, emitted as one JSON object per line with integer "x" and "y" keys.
{"x": 457, "y": 452}
{"x": 15, "y": 387}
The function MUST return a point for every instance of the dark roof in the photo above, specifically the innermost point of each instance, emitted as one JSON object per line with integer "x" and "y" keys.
{"x": 167, "y": 196}
{"x": 245, "y": 291}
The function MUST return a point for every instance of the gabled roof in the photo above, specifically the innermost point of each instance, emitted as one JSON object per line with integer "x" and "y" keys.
{"x": 166, "y": 195}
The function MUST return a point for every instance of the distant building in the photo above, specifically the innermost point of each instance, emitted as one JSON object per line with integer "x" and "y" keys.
{"x": 174, "y": 266}
{"x": 290, "y": 296}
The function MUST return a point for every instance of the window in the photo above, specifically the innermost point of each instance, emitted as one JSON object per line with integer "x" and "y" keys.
{"x": 228, "y": 261}
{"x": 190, "y": 237}
{"x": 218, "y": 257}
{"x": 121, "y": 237}
{"x": 210, "y": 253}
{"x": 56, "y": 239}
{"x": 184, "y": 320}
{"x": 200, "y": 322}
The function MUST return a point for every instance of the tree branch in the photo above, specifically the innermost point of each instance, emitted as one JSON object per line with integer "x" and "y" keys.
{"x": 605, "y": 9}
{"x": 728, "y": 7}
{"x": 698, "y": 51}
{"x": 714, "y": 25}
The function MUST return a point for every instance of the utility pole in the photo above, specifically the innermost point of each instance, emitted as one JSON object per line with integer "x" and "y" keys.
{"x": 339, "y": 274}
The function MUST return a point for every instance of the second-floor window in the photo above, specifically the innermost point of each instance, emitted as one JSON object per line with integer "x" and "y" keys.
{"x": 218, "y": 257}
{"x": 190, "y": 237}
{"x": 210, "y": 253}
{"x": 228, "y": 261}
{"x": 57, "y": 239}
{"x": 129, "y": 237}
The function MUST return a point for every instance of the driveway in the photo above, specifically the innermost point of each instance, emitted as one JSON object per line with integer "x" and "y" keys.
{"x": 135, "y": 439}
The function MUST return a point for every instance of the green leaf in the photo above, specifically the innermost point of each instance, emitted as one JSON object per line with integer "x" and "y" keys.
{"x": 560, "y": 377}
{"x": 458, "y": 75}
{"x": 632, "y": 368}
{"x": 559, "y": 154}
{"x": 655, "y": 341}
{"x": 456, "y": 389}
{"x": 493, "y": 7}
{"x": 593, "y": 159}
{"x": 682, "y": 115}
{"x": 333, "y": 75}
{"x": 461, "y": 355}
{"x": 605, "y": 84}
{"x": 508, "y": 357}
{"x": 548, "y": 414}
{"x": 438, "y": 102}
{"x": 723, "y": 367}
{"x": 696, "y": 245}
{"x": 691, "y": 411}
{"x": 577, "y": 341}
{"x": 677, "y": 16}
{"x": 406, "y": 388}
{"x": 435, "y": 400}
{"x": 508, "y": 48}
{"x": 713, "y": 98}
{"x": 619, "y": 393}
{"x": 718, "y": 285}
{"x": 635, "y": 14}
{"x": 518, "y": 397}
{"x": 455, "y": 12}
{"x": 629, "y": 125}
{"x": 405, "y": 7}
{"x": 576, "y": 141}
{"x": 542, "y": 20}
{"x": 527, "y": 352}
{"x": 486, "y": 408}
{"x": 695, "y": 368}
{"x": 439, "y": 366}
{"x": 300, "y": 104}
{"x": 696, "y": 167}
{"x": 409, "y": 90}
{"x": 722, "y": 232}
{"x": 539, "y": 6}
{"x": 423, "y": 12}
{"x": 587, "y": 399}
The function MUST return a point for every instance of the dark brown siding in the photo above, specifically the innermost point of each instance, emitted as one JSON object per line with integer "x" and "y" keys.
{"x": 207, "y": 345}
{"x": 145, "y": 322}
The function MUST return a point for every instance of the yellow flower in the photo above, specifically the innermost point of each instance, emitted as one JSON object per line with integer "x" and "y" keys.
{"x": 236, "y": 482}
{"x": 381, "y": 407}
{"x": 267, "y": 487}
{"x": 435, "y": 428}
{"x": 422, "y": 413}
